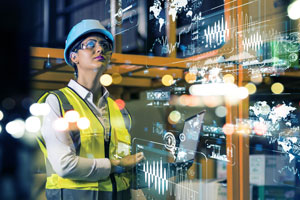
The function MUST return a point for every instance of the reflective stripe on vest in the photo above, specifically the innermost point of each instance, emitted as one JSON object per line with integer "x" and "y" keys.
{"x": 92, "y": 144}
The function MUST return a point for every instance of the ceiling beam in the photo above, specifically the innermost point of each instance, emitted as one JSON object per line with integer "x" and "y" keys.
{"x": 117, "y": 58}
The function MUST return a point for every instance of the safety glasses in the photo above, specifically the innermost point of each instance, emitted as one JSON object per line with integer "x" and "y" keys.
{"x": 91, "y": 44}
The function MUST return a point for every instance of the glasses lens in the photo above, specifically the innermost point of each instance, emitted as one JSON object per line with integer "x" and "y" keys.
{"x": 90, "y": 44}
{"x": 105, "y": 45}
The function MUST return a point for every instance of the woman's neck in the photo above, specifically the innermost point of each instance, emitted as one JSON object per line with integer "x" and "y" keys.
{"x": 91, "y": 82}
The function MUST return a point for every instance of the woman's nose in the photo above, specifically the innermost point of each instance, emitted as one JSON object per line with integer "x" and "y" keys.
{"x": 99, "y": 48}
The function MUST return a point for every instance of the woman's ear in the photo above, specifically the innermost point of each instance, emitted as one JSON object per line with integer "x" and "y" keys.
{"x": 74, "y": 57}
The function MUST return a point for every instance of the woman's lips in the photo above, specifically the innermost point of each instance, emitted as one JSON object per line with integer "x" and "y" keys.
{"x": 100, "y": 58}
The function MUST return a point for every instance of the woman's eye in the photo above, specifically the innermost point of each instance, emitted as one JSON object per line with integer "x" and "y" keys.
{"x": 90, "y": 44}
{"x": 105, "y": 46}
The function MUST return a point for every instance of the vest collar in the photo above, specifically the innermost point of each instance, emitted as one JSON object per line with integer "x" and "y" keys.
{"x": 85, "y": 93}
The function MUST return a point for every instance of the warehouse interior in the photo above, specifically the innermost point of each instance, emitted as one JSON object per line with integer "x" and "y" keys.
{"x": 237, "y": 60}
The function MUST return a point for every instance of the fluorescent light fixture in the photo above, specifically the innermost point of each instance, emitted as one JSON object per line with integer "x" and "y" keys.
{"x": 293, "y": 10}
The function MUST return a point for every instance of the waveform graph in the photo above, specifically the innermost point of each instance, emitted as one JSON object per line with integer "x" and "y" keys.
{"x": 217, "y": 32}
{"x": 161, "y": 176}
{"x": 164, "y": 179}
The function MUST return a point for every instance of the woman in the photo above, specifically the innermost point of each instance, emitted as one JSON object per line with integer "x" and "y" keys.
{"x": 93, "y": 162}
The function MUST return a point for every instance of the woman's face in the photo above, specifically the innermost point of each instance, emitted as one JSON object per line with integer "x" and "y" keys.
{"x": 94, "y": 54}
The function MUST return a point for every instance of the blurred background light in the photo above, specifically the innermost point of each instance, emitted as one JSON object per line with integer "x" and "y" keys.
{"x": 293, "y": 10}
{"x": 116, "y": 78}
{"x": 33, "y": 124}
{"x": 167, "y": 80}
{"x": 174, "y": 117}
{"x": 8, "y": 103}
{"x": 72, "y": 116}
{"x": 83, "y": 123}
{"x": 256, "y": 77}
{"x": 121, "y": 104}
{"x": 61, "y": 124}
{"x": 212, "y": 89}
{"x": 242, "y": 92}
{"x": 228, "y": 78}
{"x": 39, "y": 109}
{"x": 212, "y": 101}
{"x": 190, "y": 77}
{"x": 106, "y": 80}
{"x": 1, "y": 115}
{"x": 16, "y": 128}
{"x": 277, "y": 88}
{"x": 260, "y": 128}
{"x": 251, "y": 88}
{"x": 243, "y": 128}
{"x": 228, "y": 129}
{"x": 221, "y": 111}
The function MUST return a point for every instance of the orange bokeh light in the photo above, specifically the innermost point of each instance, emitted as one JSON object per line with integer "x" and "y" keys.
{"x": 120, "y": 103}
{"x": 228, "y": 129}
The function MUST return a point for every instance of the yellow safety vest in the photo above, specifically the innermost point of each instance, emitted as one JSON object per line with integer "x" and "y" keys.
{"x": 92, "y": 143}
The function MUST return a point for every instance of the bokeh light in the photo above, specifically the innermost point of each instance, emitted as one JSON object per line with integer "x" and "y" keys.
{"x": 167, "y": 80}
{"x": 267, "y": 80}
{"x": 190, "y": 77}
{"x": 265, "y": 109}
{"x": 277, "y": 88}
{"x": 183, "y": 99}
{"x": 243, "y": 128}
{"x": 1, "y": 115}
{"x": 33, "y": 124}
{"x": 251, "y": 87}
{"x": 106, "y": 80}
{"x": 260, "y": 128}
{"x": 72, "y": 116}
{"x": 38, "y": 109}
{"x": 121, "y": 104}
{"x": 116, "y": 78}
{"x": 8, "y": 103}
{"x": 221, "y": 111}
{"x": 61, "y": 124}
{"x": 83, "y": 123}
{"x": 228, "y": 78}
{"x": 242, "y": 92}
{"x": 228, "y": 129}
{"x": 16, "y": 128}
{"x": 212, "y": 101}
{"x": 0, "y": 128}
{"x": 174, "y": 117}
{"x": 256, "y": 77}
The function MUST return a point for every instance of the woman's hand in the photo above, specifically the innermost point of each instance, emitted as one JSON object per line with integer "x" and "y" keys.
{"x": 127, "y": 162}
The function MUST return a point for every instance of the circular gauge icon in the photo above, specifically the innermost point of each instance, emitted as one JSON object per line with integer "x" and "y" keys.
{"x": 170, "y": 141}
{"x": 182, "y": 137}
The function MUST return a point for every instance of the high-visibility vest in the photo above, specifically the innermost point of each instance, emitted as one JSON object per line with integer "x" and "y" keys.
{"x": 92, "y": 143}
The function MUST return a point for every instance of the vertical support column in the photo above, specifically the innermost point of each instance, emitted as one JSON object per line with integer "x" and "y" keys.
{"x": 49, "y": 23}
{"x": 52, "y": 23}
{"x": 115, "y": 5}
{"x": 243, "y": 142}
{"x": 232, "y": 156}
{"x": 232, "y": 141}
{"x": 46, "y": 21}
{"x": 171, "y": 32}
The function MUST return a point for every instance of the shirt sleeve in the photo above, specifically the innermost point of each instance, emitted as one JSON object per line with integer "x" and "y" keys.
{"x": 62, "y": 153}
